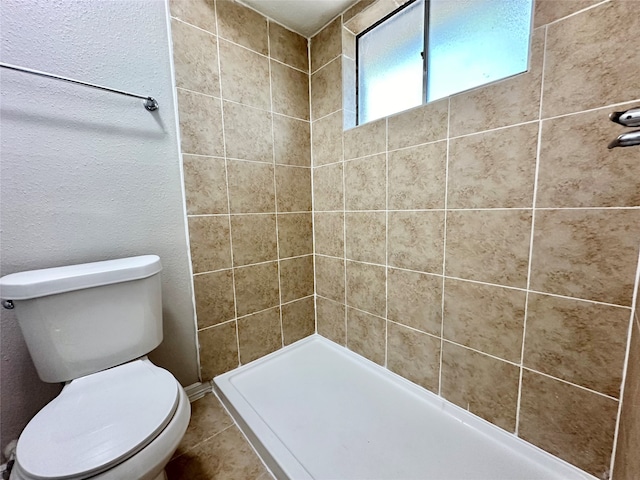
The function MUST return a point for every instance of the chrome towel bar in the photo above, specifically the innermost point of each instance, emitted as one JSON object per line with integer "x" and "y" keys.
{"x": 150, "y": 103}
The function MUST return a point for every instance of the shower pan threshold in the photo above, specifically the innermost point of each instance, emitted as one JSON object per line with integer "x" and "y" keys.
{"x": 316, "y": 410}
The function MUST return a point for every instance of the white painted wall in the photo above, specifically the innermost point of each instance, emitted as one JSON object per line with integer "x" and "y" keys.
{"x": 89, "y": 175}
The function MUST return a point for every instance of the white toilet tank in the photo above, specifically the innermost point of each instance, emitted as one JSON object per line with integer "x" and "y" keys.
{"x": 81, "y": 319}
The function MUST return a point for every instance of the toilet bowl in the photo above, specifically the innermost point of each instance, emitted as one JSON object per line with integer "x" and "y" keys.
{"x": 124, "y": 422}
{"x": 118, "y": 416}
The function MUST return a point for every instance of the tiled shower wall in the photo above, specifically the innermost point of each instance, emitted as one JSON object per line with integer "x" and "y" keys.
{"x": 243, "y": 95}
{"x": 627, "y": 463}
{"x": 485, "y": 245}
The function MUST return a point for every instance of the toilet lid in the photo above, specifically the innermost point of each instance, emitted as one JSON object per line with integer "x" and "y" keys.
{"x": 98, "y": 421}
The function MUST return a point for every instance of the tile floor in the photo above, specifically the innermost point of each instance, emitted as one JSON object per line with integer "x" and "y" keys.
{"x": 215, "y": 448}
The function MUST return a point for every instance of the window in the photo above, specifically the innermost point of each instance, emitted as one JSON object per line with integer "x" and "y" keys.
{"x": 468, "y": 43}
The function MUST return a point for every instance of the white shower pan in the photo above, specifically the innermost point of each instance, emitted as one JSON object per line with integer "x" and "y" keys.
{"x": 315, "y": 410}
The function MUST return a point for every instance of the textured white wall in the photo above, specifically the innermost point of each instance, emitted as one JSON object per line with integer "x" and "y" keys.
{"x": 88, "y": 175}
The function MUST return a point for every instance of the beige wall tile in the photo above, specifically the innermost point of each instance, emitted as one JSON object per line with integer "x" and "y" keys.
{"x": 326, "y": 45}
{"x": 256, "y": 287}
{"x": 348, "y": 119}
{"x": 326, "y": 94}
{"x": 587, "y": 67}
{"x": 348, "y": 43}
{"x": 588, "y": 254}
{"x": 576, "y": 170}
{"x": 254, "y": 239}
{"x": 580, "y": 342}
{"x": 210, "y": 245}
{"x": 415, "y": 299}
{"x": 295, "y": 234}
{"x": 414, "y": 355}
{"x": 416, "y": 240}
{"x": 226, "y": 455}
{"x": 506, "y": 102}
{"x": 569, "y": 422}
{"x": 370, "y": 15}
{"x": 296, "y": 278}
{"x": 327, "y": 139}
{"x": 627, "y": 463}
{"x": 485, "y": 318}
{"x": 290, "y": 90}
{"x": 218, "y": 350}
{"x": 205, "y": 185}
{"x": 547, "y": 11}
{"x": 200, "y": 13}
{"x": 214, "y": 298}
{"x": 366, "y": 287}
{"x": 489, "y": 245}
{"x": 200, "y": 124}
{"x": 329, "y": 232}
{"x": 195, "y": 59}
{"x": 293, "y": 189}
{"x": 366, "y": 236}
{"x": 327, "y": 188}
{"x": 259, "y": 334}
{"x": 366, "y": 139}
{"x": 245, "y": 76}
{"x": 288, "y": 47}
{"x": 298, "y": 320}
{"x": 248, "y": 133}
{"x": 365, "y": 335}
{"x": 349, "y": 88}
{"x": 417, "y": 177}
{"x": 251, "y": 188}
{"x": 242, "y": 25}
{"x": 493, "y": 169}
{"x": 331, "y": 320}
{"x": 291, "y": 140}
{"x": 426, "y": 123}
{"x": 356, "y": 9}
{"x": 330, "y": 278}
{"x": 365, "y": 183}
{"x": 483, "y": 385}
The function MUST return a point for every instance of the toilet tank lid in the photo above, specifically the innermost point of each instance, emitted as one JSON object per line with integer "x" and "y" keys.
{"x": 50, "y": 281}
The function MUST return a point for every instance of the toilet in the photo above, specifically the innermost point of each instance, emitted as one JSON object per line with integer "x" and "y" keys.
{"x": 118, "y": 416}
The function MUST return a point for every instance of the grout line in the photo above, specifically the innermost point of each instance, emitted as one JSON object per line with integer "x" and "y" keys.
{"x": 313, "y": 72}
{"x": 267, "y": 56}
{"x": 200, "y": 93}
{"x": 524, "y": 209}
{"x": 208, "y": 327}
{"x": 226, "y": 174}
{"x": 625, "y": 368}
{"x": 344, "y": 238}
{"x": 449, "y": 277}
{"x": 386, "y": 243}
{"x": 275, "y": 189}
{"x": 576, "y": 13}
{"x": 444, "y": 246}
{"x": 313, "y": 197}
{"x": 192, "y": 25}
{"x": 566, "y": 382}
{"x": 251, "y": 264}
{"x": 324, "y": 116}
{"x": 531, "y": 233}
{"x": 272, "y": 20}
{"x": 253, "y": 107}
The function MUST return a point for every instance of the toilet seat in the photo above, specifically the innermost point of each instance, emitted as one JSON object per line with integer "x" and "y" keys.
{"x": 98, "y": 421}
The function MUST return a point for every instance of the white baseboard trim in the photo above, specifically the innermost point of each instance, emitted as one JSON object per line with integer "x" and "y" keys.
{"x": 198, "y": 390}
